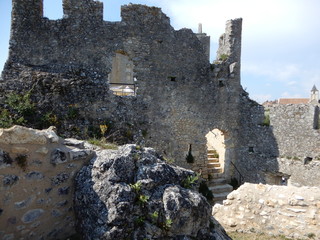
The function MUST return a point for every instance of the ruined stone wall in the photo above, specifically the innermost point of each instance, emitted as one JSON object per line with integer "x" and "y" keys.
{"x": 298, "y": 142}
{"x": 180, "y": 96}
{"x": 275, "y": 210}
{"x": 37, "y": 169}
{"x": 293, "y": 126}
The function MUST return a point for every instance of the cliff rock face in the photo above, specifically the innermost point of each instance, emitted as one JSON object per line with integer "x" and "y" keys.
{"x": 130, "y": 193}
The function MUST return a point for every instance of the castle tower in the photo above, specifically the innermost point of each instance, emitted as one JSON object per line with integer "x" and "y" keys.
{"x": 314, "y": 98}
{"x": 230, "y": 41}
{"x": 204, "y": 39}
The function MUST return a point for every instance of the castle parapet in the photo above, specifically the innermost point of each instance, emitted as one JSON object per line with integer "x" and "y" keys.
{"x": 83, "y": 10}
{"x": 142, "y": 14}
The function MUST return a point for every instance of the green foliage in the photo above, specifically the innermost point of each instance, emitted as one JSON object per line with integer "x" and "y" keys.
{"x": 168, "y": 160}
{"x": 94, "y": 132}
{"x": 154, "y": 216}
{"x": 266, "y": 120}
{"x": 167, "y": 224}
{"x": 223, "y": 57}
{"x": 21, "y": 103}
{"x": 139, "y": 221}
{"x": 205, "y": 191}
{"x": 6, "y": 120}
{"x": 22, "y": 161}
{"x": 49, "y": 119}
{"x": 19, "y": 110}
{"x": 102, "y": 143}
{"x": 144, "y": 133}
{"x": 143, "y": 199}
{"x": 73, "y": 112}
{"x": 190, "y": 181}
{"x": 136, "y": 187}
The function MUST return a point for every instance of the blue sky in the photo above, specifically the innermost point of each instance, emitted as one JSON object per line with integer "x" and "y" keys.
{"x": 280, "y": 42}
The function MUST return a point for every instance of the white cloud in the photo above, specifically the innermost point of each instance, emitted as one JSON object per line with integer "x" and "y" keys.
{"x": 261, "y": 98}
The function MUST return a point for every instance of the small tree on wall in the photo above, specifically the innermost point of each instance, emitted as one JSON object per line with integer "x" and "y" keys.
{"x": 189, "y": 157}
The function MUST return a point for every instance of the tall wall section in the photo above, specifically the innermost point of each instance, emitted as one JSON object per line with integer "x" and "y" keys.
{"x": 297, "y": 133}
{"x": 180, "y": 96}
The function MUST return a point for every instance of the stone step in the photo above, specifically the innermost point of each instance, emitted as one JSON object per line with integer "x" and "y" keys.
{"x": 213, "y": 159}
{"x": 224, "y": 188}
{"x": 216, "y": 175}
{"x": 213, "y": 165}
{"x": 212, "y": 151}
{"x": 212, "y": 155}
{"x": 214, "y": 170}
{"x": 217, "y": 181}
{"x": 219, "y": 197}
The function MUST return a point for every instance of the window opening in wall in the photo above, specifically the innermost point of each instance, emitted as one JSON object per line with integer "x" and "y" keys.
{"x": 122, "y": 82}
{"x": 173, "y": 79}
{"x": 251, "y": 149}
{"x": 52, "y": 9}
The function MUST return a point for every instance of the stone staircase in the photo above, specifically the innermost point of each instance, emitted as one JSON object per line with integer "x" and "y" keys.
{"x": 217, "y": 184}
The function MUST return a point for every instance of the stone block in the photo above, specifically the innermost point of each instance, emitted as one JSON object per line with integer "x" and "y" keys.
{"x": 32, "y": 215}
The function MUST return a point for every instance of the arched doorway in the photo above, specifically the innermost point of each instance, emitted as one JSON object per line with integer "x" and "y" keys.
{"x": 216, "y": 153}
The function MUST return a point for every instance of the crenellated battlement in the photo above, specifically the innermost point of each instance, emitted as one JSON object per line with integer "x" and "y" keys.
{"x": 83, "y": 10}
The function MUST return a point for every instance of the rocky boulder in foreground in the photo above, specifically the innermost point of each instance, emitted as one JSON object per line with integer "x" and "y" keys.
{"x": 131, "y": 193}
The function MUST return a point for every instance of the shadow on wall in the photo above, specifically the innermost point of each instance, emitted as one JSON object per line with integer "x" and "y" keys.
{"x": 258, "y": 153}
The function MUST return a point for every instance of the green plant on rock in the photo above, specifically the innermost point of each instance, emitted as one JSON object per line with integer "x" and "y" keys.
{"x": 49, "y": 119}
{"x": 73, "y": 111}
{"x": 167, "y": 224}
{"x": 143, "y": 199}
{"x": 154, "y": 216}
{"x": 21, "y": 103}
{"x": 144, "y": 133}
{"x": 168, "y": 160}
{"x": 136, "y": 187}
{"x": 102, "y": 143}
{"x": 190, "y": 181}
{"x": 223, "y": 57}
{"x": 266, "y": 120}
{"x": 139, "y": 221}
{"x": 6, "y": 119}
{"x": 19, "y": 110}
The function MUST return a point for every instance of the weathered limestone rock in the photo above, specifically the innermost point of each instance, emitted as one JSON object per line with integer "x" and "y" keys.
{"x": 275, "y": 210}
{"x": 132, "y": 193}
{"x": 22, "y": 135}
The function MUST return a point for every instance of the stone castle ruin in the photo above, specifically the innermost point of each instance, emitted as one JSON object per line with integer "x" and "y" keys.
{"x": 153, "y": 85}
